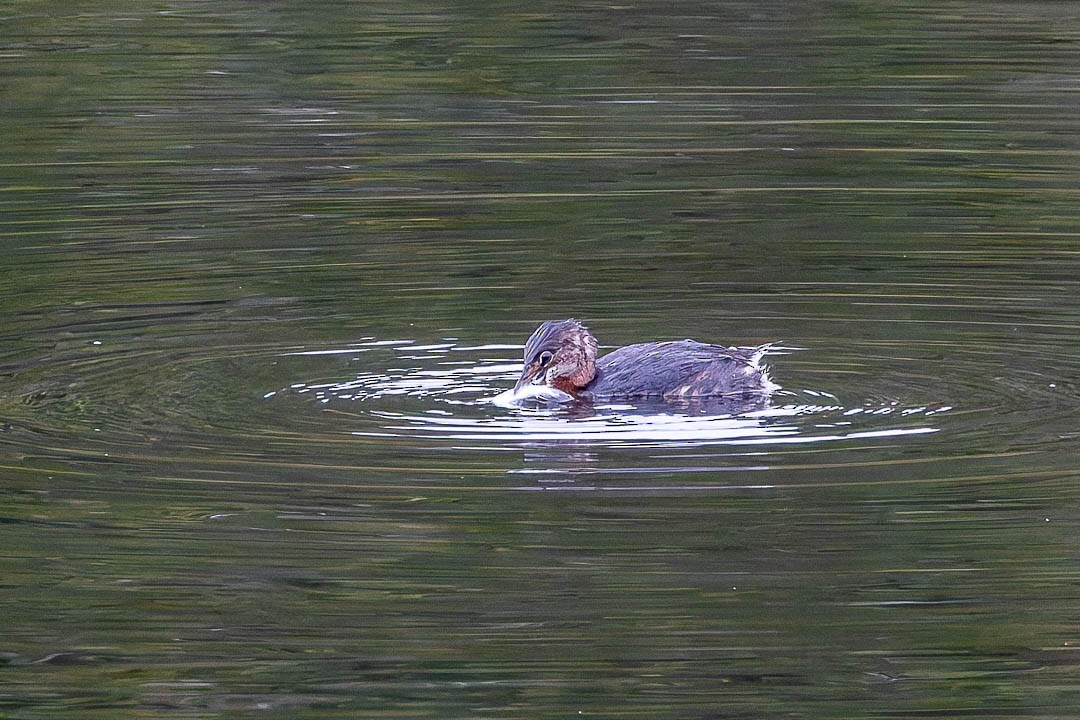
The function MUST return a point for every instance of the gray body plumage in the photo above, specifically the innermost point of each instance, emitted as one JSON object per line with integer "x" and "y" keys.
{"x": 679, "y": 369}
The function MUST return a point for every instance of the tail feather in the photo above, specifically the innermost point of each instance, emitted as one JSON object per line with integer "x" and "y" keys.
{"x": 755, "y": 362}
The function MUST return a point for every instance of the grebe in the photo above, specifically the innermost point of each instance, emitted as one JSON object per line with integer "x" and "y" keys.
{"x": 562, "y": 354}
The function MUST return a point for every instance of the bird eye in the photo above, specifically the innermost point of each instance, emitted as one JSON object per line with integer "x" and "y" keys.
{"x": 544, "y": 358}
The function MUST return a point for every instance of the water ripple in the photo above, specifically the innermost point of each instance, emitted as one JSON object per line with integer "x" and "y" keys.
{"x": 449, "y": 392}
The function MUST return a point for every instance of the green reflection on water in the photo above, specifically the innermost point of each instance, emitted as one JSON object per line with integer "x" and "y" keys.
{"x": 192, "y": 191}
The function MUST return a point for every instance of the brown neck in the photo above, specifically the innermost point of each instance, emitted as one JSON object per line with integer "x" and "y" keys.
{"x": 567, "y": 384}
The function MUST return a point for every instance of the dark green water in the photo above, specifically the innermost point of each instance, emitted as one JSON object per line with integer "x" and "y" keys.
{"x": 265, "y": 263}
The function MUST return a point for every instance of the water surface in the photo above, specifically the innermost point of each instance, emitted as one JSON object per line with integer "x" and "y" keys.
{"x": 265, "y": 267}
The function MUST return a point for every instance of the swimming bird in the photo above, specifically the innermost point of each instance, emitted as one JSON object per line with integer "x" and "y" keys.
{"x": 561, "y": 354}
